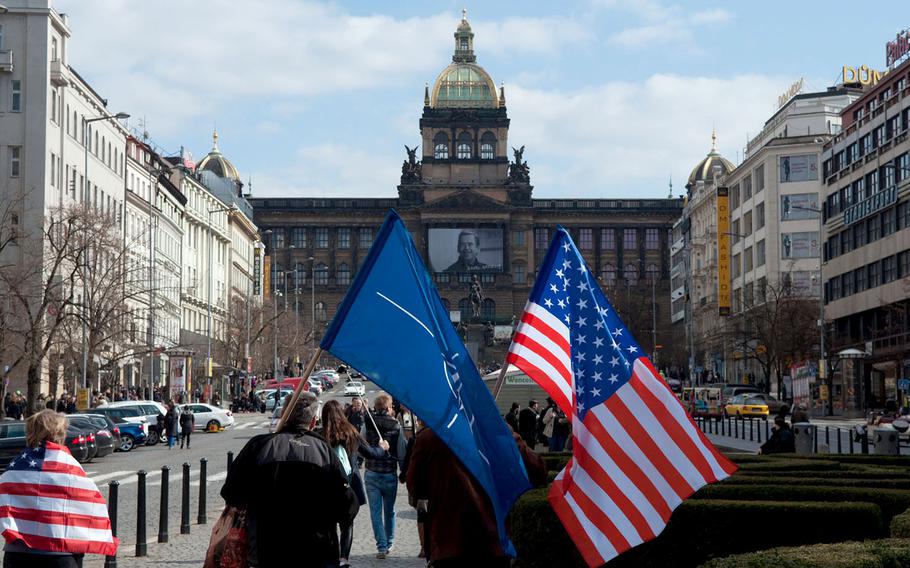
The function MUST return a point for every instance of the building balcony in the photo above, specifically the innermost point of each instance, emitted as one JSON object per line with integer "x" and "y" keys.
{"x": 6, "y": 61}
{"x": 59, "y": 74}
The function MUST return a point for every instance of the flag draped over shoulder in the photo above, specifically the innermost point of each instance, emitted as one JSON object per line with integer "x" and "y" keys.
{"x": 48, "y": 503}
{"x": 636, "y": 453}
{"x": 393, "y": 328}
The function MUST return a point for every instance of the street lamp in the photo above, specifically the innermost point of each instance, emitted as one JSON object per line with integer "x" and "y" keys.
{"x": 208, "y": 360}
{"x": 312, "y": 260}
{"x": 85, "y": 195}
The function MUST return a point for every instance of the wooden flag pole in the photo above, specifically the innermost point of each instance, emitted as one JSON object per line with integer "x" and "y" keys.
{"x": 366, "y": 409}
{"x": 296, "y": 396}
{"x": 501, "y": 379}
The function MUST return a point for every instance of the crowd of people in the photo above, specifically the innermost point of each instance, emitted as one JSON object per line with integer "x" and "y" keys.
{"x": 549, "y": 427}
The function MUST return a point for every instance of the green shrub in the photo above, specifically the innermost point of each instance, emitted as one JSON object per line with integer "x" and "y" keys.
{"x": 698, "y": 530}
{"x": 891, "y": 501}
{"x": 846, "y": 472}
{"x": 555, "y": 461}
{"x": 857, "y": 459}
{"x": 790, "y": 465}
{"x": 738, "y": 479}
{"x": 888, "y": 553}
{"x": 900, "y": 525}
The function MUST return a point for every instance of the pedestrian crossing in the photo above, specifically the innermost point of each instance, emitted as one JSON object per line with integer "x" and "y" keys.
{"x": 264, "y": 424}
{"x": 153, "y": 479}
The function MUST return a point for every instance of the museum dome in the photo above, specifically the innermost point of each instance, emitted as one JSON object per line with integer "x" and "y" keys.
{"x": 464, "y": 83}
{"x": 704, "y": 171}
{"x": 216, "y": 163}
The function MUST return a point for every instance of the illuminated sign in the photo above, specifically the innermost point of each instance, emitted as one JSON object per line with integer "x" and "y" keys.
{"x": 870, "y": 205}
{"x": 897, "y": 49}
{"x": 723, "y": 251}
{"x": 788, "y": 94}
{"x": 864, "y": 75}
{"x": 266, "y": 275}
{"x": 257, "y": 271}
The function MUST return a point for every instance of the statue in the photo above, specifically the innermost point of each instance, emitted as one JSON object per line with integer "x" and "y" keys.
{"x": 411, "y": 170}
{"x": 518, "y": 170}
{"x": 462, "y": 331}
{"x": 489, "y": 334}
{"x": 476, "y": 296}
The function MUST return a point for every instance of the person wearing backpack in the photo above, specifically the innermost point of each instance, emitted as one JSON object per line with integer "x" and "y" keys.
{"x": 346, "y": 441}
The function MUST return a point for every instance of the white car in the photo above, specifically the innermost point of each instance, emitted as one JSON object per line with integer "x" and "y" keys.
{"x": 206, "y": 415}
{"x": 270, "y": 397}
{"x": 354, "y": 388}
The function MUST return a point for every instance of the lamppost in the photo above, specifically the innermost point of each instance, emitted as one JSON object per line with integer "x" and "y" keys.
{"x": 312, "y": 260}
{"x": 86, "y": 195}
{"x": 208, "y": 360}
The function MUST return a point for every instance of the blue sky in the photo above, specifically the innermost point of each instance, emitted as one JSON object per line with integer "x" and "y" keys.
{"x": 610, "y": 97}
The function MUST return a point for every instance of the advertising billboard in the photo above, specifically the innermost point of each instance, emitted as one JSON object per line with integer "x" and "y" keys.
{"x": 723, "y": 251}
{"x": 465, "y": 250}
{"x": 799, "y": 245}
{"x": 799, "y": 206}
{"x": 178, "y": 375}
{"x": 802, "y": 167}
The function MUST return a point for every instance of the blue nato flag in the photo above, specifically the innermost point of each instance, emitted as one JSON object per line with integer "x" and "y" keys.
{"x": 393, "y": 327}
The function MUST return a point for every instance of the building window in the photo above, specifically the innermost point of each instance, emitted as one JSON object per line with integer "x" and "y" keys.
{"x": 488, "y": 310}
{"x": 15, "y": 161}
{"x": 759, "y": 216}
{"x": 464, "y": 277}
{"x": 629, "y": 239}
{"x": 320, "y": 312}
{"x": 652, "y": 239}
{"x": 300, "y": 273}
{"x": 903, "y": 215}
{"x": 747, "y": 223}
{"x": 758, "y": 175}
{"x": 872, "y": 228}
{"x": 487, "y": 146}
{"x": 903, "y": 264}
{"x": 464, "y": 306}
{"x": 652, "y": 274}
{"x": 488, "y": 278}
{"x": 366, "y": 237}
{"x": 344, "y": 238}
{"x": 748, "y": 260}
{"x": 889, "y": 269}
{"x": 322, "y": 237}
{"x": 541, "y": 238}
{"x": 747, "y": 188}
{"x": 607, "y": 239}
{"x": 54, "y": 105}
{"x": 586, "y": 239}
{"x": 518, "y": 273}
{"x": 441, "y": 146}
{"x": 321, "y": 275}
{"x": 734, "y": 197}
{"x": 762, "y": 290}
{"x": 859, "y": 280}
{"x": 298, "y": 237}
{"x": 859, "y": 236}
{"x": 873, "y": 275}
{"x": 630, "y": 274}
{"x": 15, "y": 96}
{"x": 343, "y": 275}
{"x": 737, "y": 265}
{"x": 760, "y": 253}
{"x": 608, "y": 274}
{"x": 441, "y": 277}
{"x": 278, "y": 238}
{"x": 734, "y": 232}
{"x": 518, "y": 238}
{"x": 463, "y": 149}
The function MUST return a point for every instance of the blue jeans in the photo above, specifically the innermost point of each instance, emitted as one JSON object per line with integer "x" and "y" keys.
{"x": 170, "y": 441}
{"x": 381, "y": 491}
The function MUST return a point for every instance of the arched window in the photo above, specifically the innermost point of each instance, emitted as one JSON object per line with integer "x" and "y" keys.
{"x": 487, "y": 146}
{"x": 608, "y": 274}
{"x": 488, "y": 310}
{"x": 441, "y": 146}
{"x": 464, "y": 306}
{"x": 630, "y": 273}
{"x": 463, "y": 150}
{"x": 343, "y": 275}
{"x": 320, "y": 311}
{"x": 321, "y": 274}
{"x": 652, "y": 273}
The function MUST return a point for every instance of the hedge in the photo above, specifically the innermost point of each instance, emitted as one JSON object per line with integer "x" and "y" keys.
{"x": 698, "y": 530}
{"x": 555, "y": 461}
{"x": 887, "y": 553}
{"x": 849, "y": 473}
{"x": 891, "y": 501}
{"x": 738, "y": 479}
{"x": 790, "y": 465}
{"x": 859, "y": 459}
{"x": 900, "y": 525}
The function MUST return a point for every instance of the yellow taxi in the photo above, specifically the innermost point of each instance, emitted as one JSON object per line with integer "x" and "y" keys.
{"x": 746, "y": 406}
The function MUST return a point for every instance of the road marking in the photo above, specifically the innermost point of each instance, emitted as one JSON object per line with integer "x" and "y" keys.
{"x": 135, "y": 478}
{"x": 104, "y": 477}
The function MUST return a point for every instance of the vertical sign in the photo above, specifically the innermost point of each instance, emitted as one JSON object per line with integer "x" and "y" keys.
{"x": 723, "y": 251}
{"x": 257, "y": 271}
{"x": 178, "y": 375}
{"x": 82, "y": 398}
{"x": 266, "y": 276}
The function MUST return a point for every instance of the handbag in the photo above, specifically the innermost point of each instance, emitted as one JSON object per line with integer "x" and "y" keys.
{"x": 230, "y": 542}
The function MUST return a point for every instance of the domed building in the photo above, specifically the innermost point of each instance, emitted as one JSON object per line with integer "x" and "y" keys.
{"x": 704, "y": 170}
{"x": 216, "y": 163}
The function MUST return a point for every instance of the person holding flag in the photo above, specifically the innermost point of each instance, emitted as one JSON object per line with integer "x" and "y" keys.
{"x": 636, "y": 452}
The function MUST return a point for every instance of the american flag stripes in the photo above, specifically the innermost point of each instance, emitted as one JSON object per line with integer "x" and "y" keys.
{"x": 636, "y": 452}
{"x": 48, "y": 503}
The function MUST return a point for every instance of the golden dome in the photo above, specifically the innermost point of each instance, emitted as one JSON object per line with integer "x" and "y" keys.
{"x": 704, "y": 170}
{"x": 216, "y": 163}
{"x": 464, "y": 84}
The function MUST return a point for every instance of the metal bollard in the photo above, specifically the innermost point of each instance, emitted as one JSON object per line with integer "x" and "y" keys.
{"x": 185, "y": 501}
{"x": 758, "y": 431}
{"x": 163, "y": 506}
{"x": 141, "y": 546}
{"x": 827, "y": 438}
{"x": 230, "y": 460}
{"x": 751, "y": 429}
{"x": 840, "y": 447}
{"x": 113, "y": 491}
{"x": 767, "y": 431}
{"x": 200, "y": 518}
{"x": 850, "y": 432}
{"x": 864, "y": 441}
{"x": 815, "y": 440}
{"x": 722, "y": 421}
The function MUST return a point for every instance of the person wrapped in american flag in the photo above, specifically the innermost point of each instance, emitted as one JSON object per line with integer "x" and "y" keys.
{"x": 636, "y": 453}
{"x": 51, "y": 513}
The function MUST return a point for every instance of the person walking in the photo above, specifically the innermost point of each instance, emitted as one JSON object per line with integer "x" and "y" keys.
{"x": 555, "y": 426}
{"x": 512, "y": 416}
{"x": 300, "y": 523}
{"x": 528, "y": 420}
{"x": 355, "y": 413}
{"x": 187, "y": 425}
{"x": 48, "y": 532}
{"x": 460, "y": 525}
{"x": 347, "y": 443}
{"x": 381, "y": 477}
{"x": 171, "y": 422}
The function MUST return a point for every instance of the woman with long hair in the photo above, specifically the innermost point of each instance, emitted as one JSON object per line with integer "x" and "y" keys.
{"x": 347, "y": 443}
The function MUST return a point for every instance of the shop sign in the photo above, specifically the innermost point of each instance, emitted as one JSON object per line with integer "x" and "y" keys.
{"x": 723, "y": 251}
{"x": 864, "y": 75}
{"x": 795, "y": 88}
{"x": 903, "y": 385}
{"x": 897, "y": 49}
{"x": 870, "y": 205}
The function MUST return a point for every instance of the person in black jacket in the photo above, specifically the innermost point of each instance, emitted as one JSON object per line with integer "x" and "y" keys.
{"x": 171, "y": 422}
{"x": 187, "y": 425}
{"x": 528, "y": 420}
{"x": 781, "y": 440}
{"x": 381, "y": 475}
{"x": 512, "y": 416}
{"x": 295, "y": 491}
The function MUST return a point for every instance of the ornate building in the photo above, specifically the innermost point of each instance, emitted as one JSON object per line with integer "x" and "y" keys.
{"x": 471, "y": 213}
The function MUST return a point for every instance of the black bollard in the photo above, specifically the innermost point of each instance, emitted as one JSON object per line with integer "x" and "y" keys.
{"x": 864, "y": 441}
{"x": 113, "y": 490}
{"x": 751, "y": 429}
{"x": 185, "y": 501}
{"x": 200, "y": 518}
{"x": 840, "y": 447}
{"x": 230, "y": 460}
{"x": 163, "y": 508}
{"x": 828, "y": 439}
{"x": 815, "y": 440}
{"x": 758, "y": 432}
{"x": 767, "y": 431}
{"x": 850, "y": 432}
{"x": 141, "y": 546}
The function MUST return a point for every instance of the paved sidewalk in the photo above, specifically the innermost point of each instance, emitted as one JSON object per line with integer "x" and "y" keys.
{"x": 189, "y": 550}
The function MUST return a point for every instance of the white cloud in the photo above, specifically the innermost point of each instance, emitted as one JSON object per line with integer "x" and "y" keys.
{"x": 673, "y": 29}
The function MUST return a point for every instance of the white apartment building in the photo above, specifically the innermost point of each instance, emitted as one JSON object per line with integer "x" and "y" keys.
{"x": 59, "y": 143}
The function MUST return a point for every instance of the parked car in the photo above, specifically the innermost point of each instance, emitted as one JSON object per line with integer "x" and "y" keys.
{"x": 354, "y": 388}
{"x": 126, "y": 413}
{"x": 773, "y": 403}
{"x": 149, "y": 410}
{"x": 314, "y": 386}
{"x": 730, "y": 390}
{"x": 12, "y": 441}
{"x": 131, "y": 434}
{"x": 87, "y": 439}
{"x": 77, "y": 443}
{"x": 746, "y": 406}
{"x": 99, "y": 430}
{"x": 103, "y": 421}
{"x": 207, "y": 416}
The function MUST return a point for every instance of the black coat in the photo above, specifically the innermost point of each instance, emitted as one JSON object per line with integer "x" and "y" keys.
{"x": 527, "y": 425}
{"x": 170, "y": 422}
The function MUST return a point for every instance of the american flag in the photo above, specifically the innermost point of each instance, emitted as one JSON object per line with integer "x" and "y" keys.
{"x": 636, "y": 453}
{"x": 48, "y": 503}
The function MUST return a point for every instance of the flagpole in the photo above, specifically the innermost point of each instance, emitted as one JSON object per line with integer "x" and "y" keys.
{"x": 370, "y": 414}
{"x": 306, "y": 375}
{"x": 501, "y": 379}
